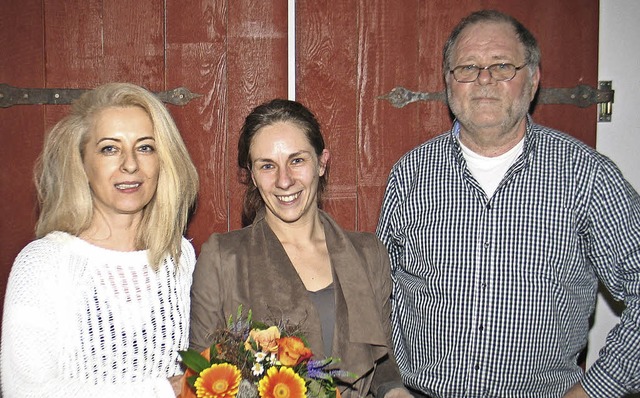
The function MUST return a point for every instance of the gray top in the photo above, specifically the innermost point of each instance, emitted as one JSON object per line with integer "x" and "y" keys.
{"x": 325, "y": 304}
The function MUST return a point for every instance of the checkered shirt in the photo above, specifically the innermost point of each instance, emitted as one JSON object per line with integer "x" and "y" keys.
{"x": 492, "y": 296}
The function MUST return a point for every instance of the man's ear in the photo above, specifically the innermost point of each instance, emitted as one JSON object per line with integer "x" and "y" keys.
{"x": 535, "y": 81}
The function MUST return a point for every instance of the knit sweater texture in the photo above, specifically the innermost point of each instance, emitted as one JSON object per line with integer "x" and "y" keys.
{"x": 84, "y": 321}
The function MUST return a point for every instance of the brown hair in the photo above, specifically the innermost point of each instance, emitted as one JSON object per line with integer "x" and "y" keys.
{"x": 277, "y": 110}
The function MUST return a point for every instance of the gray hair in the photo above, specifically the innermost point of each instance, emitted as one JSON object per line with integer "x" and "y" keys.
{"x": 532, "y": 51}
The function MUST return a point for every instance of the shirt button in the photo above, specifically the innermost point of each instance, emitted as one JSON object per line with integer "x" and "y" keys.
{"x": 481, "y": 328}
{"x": 477, "y": 367}
{"x": 487, "y": 244}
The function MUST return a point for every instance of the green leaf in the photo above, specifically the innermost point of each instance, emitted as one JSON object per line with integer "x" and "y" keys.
{"x": 239, "y": 314}
{"x": 191, "y": 380}
{"x": 259, "y": 325}
{"x": 213, "y": 354}
{"x": 193, "y": 360}
{"x": 315, "y": 389}
{"x": 230, "y": 322}
{"x": 326, "y": 362}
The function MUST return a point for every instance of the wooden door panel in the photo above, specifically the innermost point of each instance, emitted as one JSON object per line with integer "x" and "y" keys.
{"x": 21, "y": 128}
{"x": 197, "y": 59}
{"x": 257, "y": 73}
{"x": 234, "y": 53}
{"x": 90, "y": 42}
{"x": 326, "y": 70}
{"x": 392, "y": 57}
{"x": 402, "y": 46}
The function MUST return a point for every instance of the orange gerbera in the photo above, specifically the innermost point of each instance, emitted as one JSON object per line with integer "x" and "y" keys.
{"x": 282, "y": 382}
{"x": 187, "y": 391}
{"x": 218, "y": 381}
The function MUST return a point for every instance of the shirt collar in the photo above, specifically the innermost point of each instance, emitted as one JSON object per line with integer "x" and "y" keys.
{"x": 530, "y": 138}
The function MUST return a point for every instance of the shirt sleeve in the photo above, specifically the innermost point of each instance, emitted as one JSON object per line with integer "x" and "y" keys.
{"x": 614, "y": 252}
{"x": 384, "y": 231}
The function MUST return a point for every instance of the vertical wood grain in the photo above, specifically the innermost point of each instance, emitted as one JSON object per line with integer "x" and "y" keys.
{"x": 234, "y": 52}
{"x": 402, "y": 46}
{"x": 257, "y": 72}
{"x": 238, "y": 50}
{"x": 91, "y": 42}
{"x": 327, "y": 45}
{"x": 21, "y": 128}
{"x": 197, "y": 59}
{"x": 390, "y": 50}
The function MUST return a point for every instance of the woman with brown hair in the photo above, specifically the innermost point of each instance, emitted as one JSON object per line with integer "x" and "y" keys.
{"x": 294, "y": 262}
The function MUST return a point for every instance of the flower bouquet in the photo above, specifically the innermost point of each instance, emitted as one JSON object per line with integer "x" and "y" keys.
{"x": 250, "y": 359}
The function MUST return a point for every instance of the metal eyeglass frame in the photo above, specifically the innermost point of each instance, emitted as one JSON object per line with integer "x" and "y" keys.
{"x": 488, "y": 69}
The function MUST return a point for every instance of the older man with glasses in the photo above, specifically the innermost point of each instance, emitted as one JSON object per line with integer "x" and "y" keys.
{"x": 499, "y": 232}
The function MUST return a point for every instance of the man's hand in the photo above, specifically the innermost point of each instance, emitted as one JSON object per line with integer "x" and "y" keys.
{"x": 576, "y": 392}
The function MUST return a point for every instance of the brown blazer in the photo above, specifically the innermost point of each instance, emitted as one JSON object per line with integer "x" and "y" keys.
{"x": 250, "y": 267}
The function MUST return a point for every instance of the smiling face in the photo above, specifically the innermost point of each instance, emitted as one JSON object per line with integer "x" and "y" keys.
{"x": 286, "y": 170}
{"x": 121, "y": 162}
{"x": 486, "y": 105}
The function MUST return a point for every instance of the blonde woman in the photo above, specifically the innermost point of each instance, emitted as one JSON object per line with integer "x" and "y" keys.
{"x": 98, "y": 305}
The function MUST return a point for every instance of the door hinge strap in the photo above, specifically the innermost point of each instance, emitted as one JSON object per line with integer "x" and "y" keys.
{"x": 10, "y": 96}
{"x": 581, "y": 95}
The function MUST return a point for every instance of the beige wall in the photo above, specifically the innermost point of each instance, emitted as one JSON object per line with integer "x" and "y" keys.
{"x": 619, "y": 58}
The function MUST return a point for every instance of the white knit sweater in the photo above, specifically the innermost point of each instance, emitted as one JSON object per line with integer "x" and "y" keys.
{"x": 83, "y": 321}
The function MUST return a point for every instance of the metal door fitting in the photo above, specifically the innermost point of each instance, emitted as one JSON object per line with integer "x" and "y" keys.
{"x": 10, "y": 96}
{"x": 581, "y": 96}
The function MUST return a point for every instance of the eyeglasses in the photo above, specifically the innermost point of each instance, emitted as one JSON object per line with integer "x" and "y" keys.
{"x": 499, "y": 72}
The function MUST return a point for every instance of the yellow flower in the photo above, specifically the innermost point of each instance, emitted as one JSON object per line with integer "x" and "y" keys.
{"x": 218, "y": 381}
{"x": 292, "y": 351}
{"x": 266, "y": 339}
{"x": 282, "y": 383}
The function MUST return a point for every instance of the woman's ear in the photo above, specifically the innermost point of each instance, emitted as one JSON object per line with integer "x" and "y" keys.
{"x": 323, "y": 161}
{"x": 252, "y": 177}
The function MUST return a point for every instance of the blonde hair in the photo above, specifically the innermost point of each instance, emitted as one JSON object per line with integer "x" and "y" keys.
{"x": 65, "y": 199}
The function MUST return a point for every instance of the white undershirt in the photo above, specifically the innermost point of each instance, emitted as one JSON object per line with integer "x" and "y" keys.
{"x": 490, "y": 171}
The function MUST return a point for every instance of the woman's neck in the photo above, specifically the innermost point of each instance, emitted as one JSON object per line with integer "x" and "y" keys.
{"x": 305, "y": 230}
{"x": 115, "y": 233}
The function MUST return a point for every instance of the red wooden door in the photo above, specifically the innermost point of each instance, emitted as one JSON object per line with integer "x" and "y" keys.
{"x": 234, "y": 53}
{"x": 352, "y": 52}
